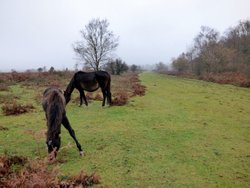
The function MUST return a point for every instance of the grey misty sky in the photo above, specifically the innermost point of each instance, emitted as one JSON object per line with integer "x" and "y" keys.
{"x": 37, "y": 33}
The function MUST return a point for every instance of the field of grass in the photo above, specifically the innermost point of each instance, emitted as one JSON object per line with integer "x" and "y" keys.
{"x": 182, "y": 133}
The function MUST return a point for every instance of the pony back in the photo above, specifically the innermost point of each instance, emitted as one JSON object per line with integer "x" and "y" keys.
{"x": 54, "y": 107}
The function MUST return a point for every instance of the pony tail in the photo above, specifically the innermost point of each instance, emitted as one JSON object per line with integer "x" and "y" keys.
{"x": 109, "y": 97}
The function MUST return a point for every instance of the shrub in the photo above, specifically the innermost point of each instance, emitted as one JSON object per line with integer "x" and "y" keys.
{"x": 120, "y": 98}
{"x": 138, "y": 89}
{"x": 15, "y": 109}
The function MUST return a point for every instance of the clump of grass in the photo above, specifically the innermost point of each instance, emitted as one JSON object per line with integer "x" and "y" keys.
{"x": 2, "y": 128}
{"x": 15, "y": 109}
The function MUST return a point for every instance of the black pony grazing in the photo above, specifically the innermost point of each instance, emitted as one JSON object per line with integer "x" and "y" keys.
{"x": 54, "y": 107}
{"x": 89, "y": 81}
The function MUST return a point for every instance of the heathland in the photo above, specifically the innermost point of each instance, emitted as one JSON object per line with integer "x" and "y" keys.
{"x": 181, "y": 133}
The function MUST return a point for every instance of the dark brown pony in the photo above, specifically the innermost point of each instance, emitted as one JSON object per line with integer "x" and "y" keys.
{"x": 54, "y": 106}
{"x": 89, "y": 81}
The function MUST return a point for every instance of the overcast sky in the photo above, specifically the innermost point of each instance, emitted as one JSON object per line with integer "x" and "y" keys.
{"x": 37, "y": 33}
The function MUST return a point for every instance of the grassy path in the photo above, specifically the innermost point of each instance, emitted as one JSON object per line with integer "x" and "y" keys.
{"x": 182, "y": 133}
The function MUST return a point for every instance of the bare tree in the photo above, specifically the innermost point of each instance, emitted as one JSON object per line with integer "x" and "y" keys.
{"x": 97, "y": 45}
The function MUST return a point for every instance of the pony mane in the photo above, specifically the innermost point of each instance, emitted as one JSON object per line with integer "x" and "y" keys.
{"x": 70, "y": 86}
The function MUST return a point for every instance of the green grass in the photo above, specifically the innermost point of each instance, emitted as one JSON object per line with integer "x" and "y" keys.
{"x": 182, "y": 133}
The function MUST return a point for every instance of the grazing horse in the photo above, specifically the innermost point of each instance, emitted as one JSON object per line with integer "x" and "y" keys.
{"x": 54, "y": 106}
{"x": 89, "y": 81}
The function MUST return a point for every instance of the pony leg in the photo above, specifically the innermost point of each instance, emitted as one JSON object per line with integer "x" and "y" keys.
{"x": 104, "y": 97}
{"x": 109, "y": 97}
{"x": 66, "y": 124}
{"x": 84, "y": 98}
{"x": 80, "y": 97}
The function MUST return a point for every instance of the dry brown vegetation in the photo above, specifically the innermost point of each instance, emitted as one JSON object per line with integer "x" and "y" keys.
{"x": 36, "y": 78}
{"x": 15, "y": 109}
{"x": 128, "y": 86}
{"x": 234, "y": 78}
{"x": 36, "y": 173}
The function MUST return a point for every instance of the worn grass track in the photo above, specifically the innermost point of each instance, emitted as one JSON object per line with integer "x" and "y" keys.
{"x": 182, "y": 133}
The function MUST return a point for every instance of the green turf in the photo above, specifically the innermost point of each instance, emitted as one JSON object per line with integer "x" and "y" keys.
{"x": 182, "y": 133}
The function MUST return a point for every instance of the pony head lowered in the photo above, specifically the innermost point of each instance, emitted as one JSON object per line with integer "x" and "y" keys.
{"x": 54, "y": 107}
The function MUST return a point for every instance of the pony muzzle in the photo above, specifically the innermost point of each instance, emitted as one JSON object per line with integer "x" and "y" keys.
{"x": 52, "y": 155}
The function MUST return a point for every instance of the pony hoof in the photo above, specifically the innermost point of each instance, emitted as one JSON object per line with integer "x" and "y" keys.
{"x": 81, "y": 153}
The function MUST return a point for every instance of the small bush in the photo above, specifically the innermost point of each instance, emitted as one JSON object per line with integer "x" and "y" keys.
{"x": 15, "y": 109}
{"x": 120, "y": 98}
{"x": 138, "y": 89}
{"x": 134, "y": 78}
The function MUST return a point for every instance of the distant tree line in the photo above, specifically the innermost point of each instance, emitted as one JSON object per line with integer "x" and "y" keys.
{"x": 117, "y": 67}
{"x": 215, "y": 54}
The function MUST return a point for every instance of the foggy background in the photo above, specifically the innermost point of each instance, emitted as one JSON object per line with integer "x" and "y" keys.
{"x": 35, "y": 34}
